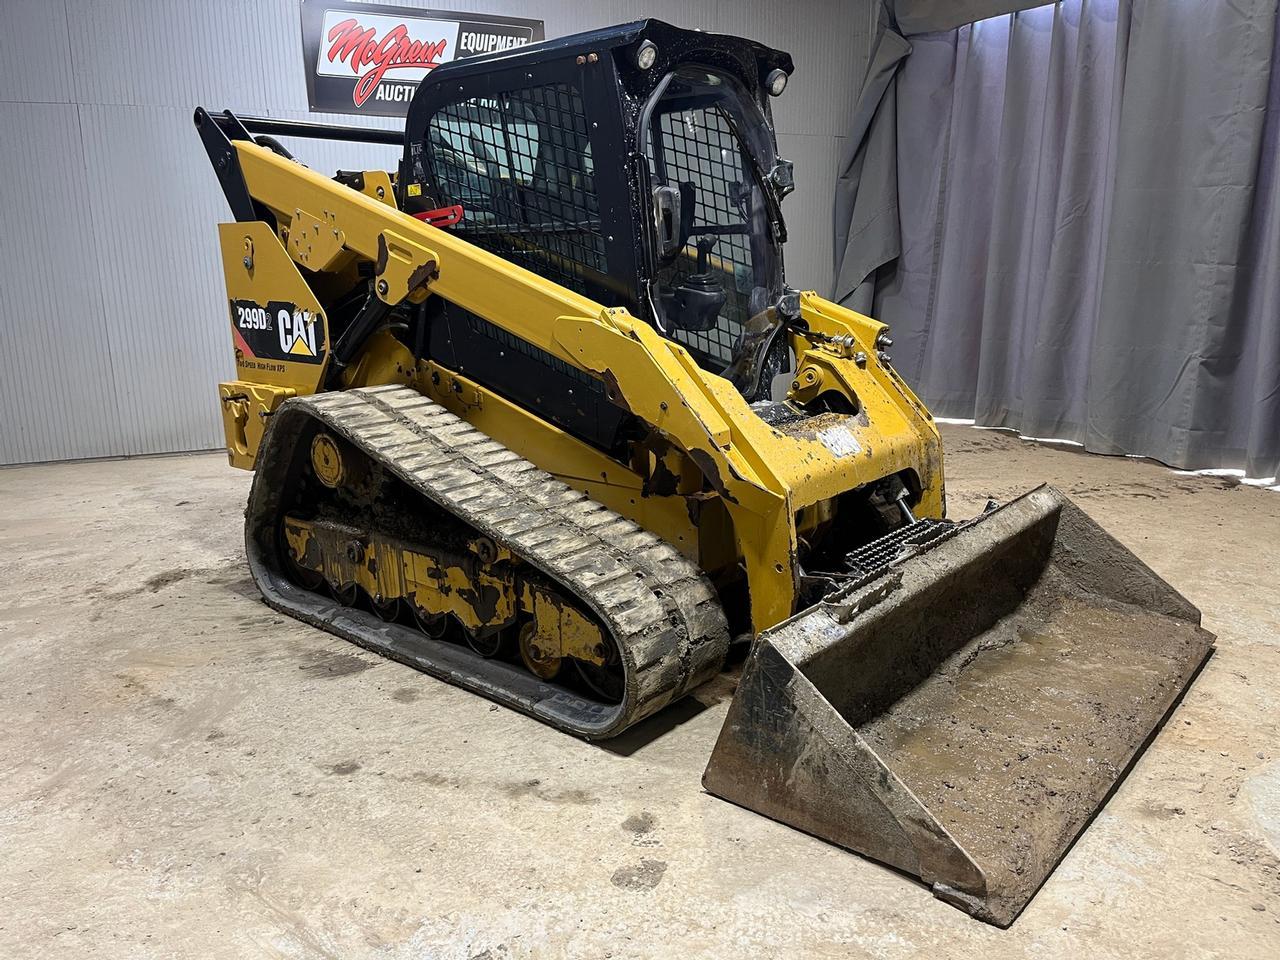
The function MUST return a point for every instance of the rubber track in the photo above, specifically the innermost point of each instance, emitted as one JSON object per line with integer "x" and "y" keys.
{"x": 661, "y": 611}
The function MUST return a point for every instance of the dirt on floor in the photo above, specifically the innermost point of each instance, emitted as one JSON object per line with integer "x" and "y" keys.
{"x": 184, "y": 772}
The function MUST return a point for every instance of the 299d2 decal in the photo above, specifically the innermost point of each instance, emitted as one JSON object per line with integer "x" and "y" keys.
{"x": 277, "y": 331}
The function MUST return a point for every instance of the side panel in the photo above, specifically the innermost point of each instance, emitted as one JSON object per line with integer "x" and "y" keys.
{"x": 278, "y": 328}
{"x": 278, "y": 331}
{"x": 483, "y": 351}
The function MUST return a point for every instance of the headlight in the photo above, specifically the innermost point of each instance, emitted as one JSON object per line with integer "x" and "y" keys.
{"x": 646, "y": 54}
{"x": 776, "y": 82}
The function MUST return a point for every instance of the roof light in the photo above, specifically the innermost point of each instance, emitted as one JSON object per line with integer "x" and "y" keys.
{"x": 646, "y": 54}
{"x": 776, "y": 81}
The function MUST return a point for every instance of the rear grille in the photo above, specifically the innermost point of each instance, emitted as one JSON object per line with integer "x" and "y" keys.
{"x": 871, "y": 560}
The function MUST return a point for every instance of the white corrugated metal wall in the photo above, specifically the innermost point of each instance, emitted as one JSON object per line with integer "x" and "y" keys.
{"x": 114, "y": 334}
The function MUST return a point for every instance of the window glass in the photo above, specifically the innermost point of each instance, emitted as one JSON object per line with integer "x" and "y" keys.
{"x": 520, "y": 166}
{"x": 708, "y": 140}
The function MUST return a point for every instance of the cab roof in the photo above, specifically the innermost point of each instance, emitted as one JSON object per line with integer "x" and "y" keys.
{"x": 663, "y": 34}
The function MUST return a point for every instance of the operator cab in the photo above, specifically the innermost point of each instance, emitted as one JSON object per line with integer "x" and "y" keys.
{"x": 636, "y": 165}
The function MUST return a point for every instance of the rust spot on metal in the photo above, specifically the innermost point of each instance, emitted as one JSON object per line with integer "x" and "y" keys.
{"x": 707, "y": 464}
{"x": 661, "y": 483}
{"x": 612, "y": 390}
{"x": 441, "y": 578}
{"x": 693, "y": 506}
{"x": 484, "y": 601}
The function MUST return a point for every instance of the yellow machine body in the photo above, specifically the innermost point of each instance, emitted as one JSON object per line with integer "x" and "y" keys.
{"x": 764, "y": 484}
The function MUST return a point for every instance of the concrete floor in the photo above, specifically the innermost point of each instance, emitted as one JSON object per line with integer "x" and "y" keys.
{"x": 185, "y": 773}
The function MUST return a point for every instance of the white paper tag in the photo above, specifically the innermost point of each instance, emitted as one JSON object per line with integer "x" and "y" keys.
{"x": 840, "y": 441}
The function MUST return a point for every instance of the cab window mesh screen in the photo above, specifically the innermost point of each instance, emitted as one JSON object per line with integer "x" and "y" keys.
{"x": 520, "y": 165}
{"x": 699, "y": 147}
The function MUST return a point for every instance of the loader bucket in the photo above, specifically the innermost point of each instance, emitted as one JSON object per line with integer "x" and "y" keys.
{"x": 963, "y": 715}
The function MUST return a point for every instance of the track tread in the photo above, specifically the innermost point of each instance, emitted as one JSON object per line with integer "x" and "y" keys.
{"x": 657, "y": 604}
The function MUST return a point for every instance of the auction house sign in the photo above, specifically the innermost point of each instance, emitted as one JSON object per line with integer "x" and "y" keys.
{"x": 369, "y": 57}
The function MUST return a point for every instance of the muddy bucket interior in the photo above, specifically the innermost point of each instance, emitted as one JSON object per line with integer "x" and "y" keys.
{"x": 965, "y": 715}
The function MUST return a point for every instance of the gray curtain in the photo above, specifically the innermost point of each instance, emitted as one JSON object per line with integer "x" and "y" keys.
{"x": 866, "y": 200}
{"x": 1087, "y": 226}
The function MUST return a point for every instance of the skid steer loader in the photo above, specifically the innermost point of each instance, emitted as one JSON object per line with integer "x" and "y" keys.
{"x": 537, "y": 413}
